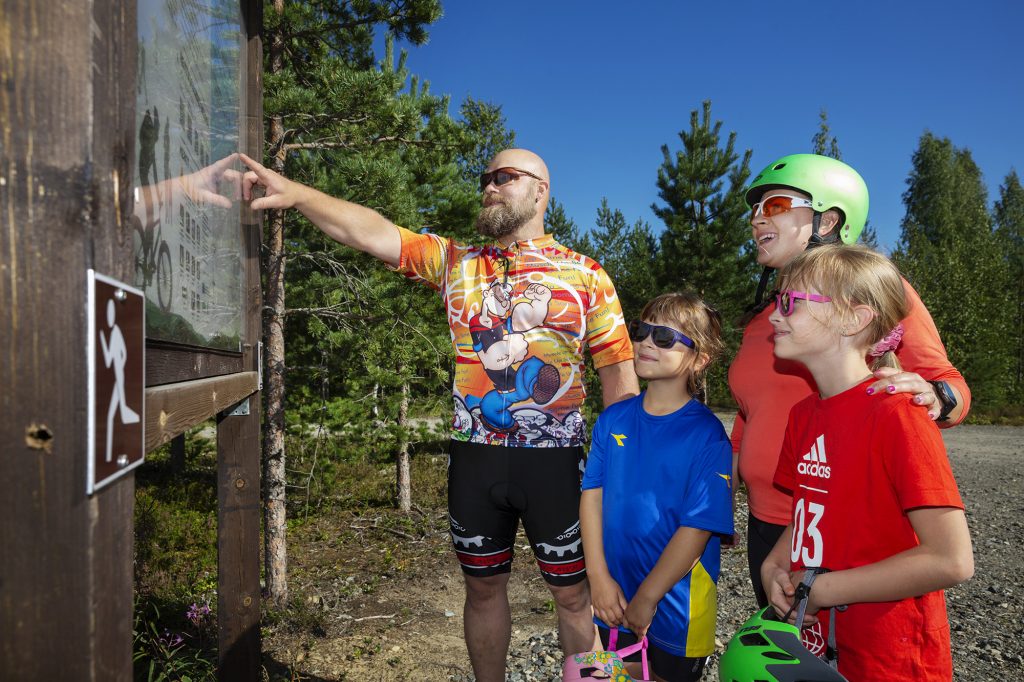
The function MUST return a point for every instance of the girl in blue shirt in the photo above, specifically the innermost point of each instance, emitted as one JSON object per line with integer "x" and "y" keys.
{"x": 657, "y": 495}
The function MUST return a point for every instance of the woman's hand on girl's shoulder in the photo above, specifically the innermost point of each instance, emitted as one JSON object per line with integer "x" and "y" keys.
{"x": 891, "y": 380}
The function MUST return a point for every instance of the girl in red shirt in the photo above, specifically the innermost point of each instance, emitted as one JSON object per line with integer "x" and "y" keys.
{"x": 875, "y": 508}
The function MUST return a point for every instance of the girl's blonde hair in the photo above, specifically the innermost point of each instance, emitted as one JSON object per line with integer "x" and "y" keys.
{"x": 853, "y": 275}
{"x": 692, "y": 316}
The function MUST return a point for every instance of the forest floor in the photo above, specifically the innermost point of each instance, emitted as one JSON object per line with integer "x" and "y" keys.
{"x": 380, "y": 594}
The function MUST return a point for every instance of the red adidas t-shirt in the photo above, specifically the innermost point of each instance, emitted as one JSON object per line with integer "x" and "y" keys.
{"x": 855, "y": 465}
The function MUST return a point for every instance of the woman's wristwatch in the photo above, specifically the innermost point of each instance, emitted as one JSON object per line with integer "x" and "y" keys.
{"x": 946, "y": 396}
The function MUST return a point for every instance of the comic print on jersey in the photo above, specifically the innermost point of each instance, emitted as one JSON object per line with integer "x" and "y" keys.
{"x": 519, "y": 320}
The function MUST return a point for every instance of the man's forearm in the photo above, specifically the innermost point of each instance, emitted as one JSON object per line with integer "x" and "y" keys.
{"x": 351, "y": 224}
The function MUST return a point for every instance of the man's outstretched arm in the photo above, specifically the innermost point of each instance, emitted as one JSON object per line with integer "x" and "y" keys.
{"x": 350, "y": 224}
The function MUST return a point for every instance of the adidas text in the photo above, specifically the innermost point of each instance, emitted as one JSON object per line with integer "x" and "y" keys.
{"x": 814, "y": 463}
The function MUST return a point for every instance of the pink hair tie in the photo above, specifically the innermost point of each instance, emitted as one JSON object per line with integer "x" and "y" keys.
{"x": 889, "y": 343}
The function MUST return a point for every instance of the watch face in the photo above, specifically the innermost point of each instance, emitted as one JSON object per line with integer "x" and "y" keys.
{"x": 946, "y": 397}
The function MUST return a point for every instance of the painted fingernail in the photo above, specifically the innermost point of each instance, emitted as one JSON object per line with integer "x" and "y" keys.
{"x": 917, "y": 399}
{"x": 890, "y": 388}
{"x": 932, "y": 415}
{"x": 871, "y": 391}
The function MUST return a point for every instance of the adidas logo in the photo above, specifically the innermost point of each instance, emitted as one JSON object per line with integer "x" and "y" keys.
{"x": 814, "y": 462}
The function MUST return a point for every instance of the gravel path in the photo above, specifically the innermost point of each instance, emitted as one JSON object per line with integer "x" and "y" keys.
{"x": 986, "y": 614}
{"x": 405, "y": 623}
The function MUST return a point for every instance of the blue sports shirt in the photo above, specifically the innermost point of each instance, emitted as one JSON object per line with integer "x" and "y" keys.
{"x": 659, "y": 473}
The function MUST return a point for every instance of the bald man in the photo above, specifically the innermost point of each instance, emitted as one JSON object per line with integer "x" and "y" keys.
{"x": 521, "y": 309}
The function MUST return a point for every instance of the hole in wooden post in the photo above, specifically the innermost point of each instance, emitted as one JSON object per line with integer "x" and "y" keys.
{"x": 39, "y": 437}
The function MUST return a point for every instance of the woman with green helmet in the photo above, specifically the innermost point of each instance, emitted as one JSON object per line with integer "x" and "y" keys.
{"x": 797, "y": 202}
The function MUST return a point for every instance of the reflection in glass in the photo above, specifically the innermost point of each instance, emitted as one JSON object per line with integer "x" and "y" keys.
{"x": 187, "y": 240}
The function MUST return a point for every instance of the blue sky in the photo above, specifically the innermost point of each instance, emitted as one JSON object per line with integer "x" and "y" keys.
{"x": 597, "y": 89}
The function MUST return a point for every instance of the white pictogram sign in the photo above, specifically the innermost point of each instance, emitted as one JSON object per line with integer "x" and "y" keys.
{"x": 116, "y": 361}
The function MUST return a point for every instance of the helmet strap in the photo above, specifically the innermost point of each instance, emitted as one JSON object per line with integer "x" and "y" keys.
{"x": 803, "y": 591}
{"x": 766, "y": 275}
{"x": 816, "y": 238}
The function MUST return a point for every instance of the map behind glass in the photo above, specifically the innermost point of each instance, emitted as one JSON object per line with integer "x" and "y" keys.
{"x": 189, "y": 98}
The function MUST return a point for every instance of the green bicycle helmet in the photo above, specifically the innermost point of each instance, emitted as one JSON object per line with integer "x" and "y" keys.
{"x": 768, "y": 650}
{"x": 830, "y": 183}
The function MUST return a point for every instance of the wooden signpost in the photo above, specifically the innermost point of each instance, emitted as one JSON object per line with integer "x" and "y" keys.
{"x": 119, "y": 327}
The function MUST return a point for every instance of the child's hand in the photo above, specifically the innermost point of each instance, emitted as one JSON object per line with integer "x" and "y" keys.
{"x": 812, "y": 606}
{"x": 815, "y": 602}
{"x": 778, "y": 586}
{"x": 732, "y": 541}
{"x": 639, "y": 614}
{"x": 608, "y": 599}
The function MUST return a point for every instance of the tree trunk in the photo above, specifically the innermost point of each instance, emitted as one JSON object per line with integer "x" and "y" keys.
{"x": 275, "y": 542}
{"x": 404, "y": 484}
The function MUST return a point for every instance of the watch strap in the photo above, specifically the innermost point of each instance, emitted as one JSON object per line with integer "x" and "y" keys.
{"x": 946, "y": 397}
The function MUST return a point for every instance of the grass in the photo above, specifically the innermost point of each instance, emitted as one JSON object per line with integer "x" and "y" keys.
{"x": 345, "y": 539}
{"x": 1003, "y": 415}
{"x": 335, "y": 500}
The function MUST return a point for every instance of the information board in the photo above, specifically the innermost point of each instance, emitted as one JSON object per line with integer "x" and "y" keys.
{"x": 190, "y": 98}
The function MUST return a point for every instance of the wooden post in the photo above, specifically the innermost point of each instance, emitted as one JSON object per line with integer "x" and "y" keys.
{"x": 238, "y": 437}
{"x": 67, "y": 112}
{"x": 178, "y": 454}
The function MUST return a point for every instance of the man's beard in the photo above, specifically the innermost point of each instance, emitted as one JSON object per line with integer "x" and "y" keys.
{"x": 501, "y": 219}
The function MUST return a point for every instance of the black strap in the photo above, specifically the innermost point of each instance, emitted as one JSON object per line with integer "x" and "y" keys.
{"x": 816, "y": 239}
{"x": 766, "y": 275}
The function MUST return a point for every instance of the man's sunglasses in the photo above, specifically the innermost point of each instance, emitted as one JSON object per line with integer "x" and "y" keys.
{"x": 663, "y": 337}
{"x": 786, "y": 300}
{"x": 503, "y": 176}
{"x": 776, "y": 204}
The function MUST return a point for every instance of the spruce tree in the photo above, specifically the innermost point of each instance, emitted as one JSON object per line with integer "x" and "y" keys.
{"x": 706, "y": 246}
{"x": 948, "y": 252}
{"x": 825, "y": 143}
{"x": 1009, "y": 220}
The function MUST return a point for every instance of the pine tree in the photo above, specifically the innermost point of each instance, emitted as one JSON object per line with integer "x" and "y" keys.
{"x": 948, "y": 251}
{"x": 492, "y": 136}
{"x": 1009, "y": 220}
{"x": 322, "y": 94}
{"x": 826, "y": 144}
{"x": 564, "y": 229}
{"x": 627, "y": 253}
{"x": 706, "y": 246}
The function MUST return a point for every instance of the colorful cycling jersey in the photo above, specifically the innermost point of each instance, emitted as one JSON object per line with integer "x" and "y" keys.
{"x": 519, "y": 318}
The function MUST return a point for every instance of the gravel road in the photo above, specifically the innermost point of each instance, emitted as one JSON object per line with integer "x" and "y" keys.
{"x": 986, "y": 614}
{"x": 406, "y": 625}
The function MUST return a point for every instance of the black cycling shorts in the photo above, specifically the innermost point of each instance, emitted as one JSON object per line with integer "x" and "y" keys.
{"x": 491, "y": 487}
